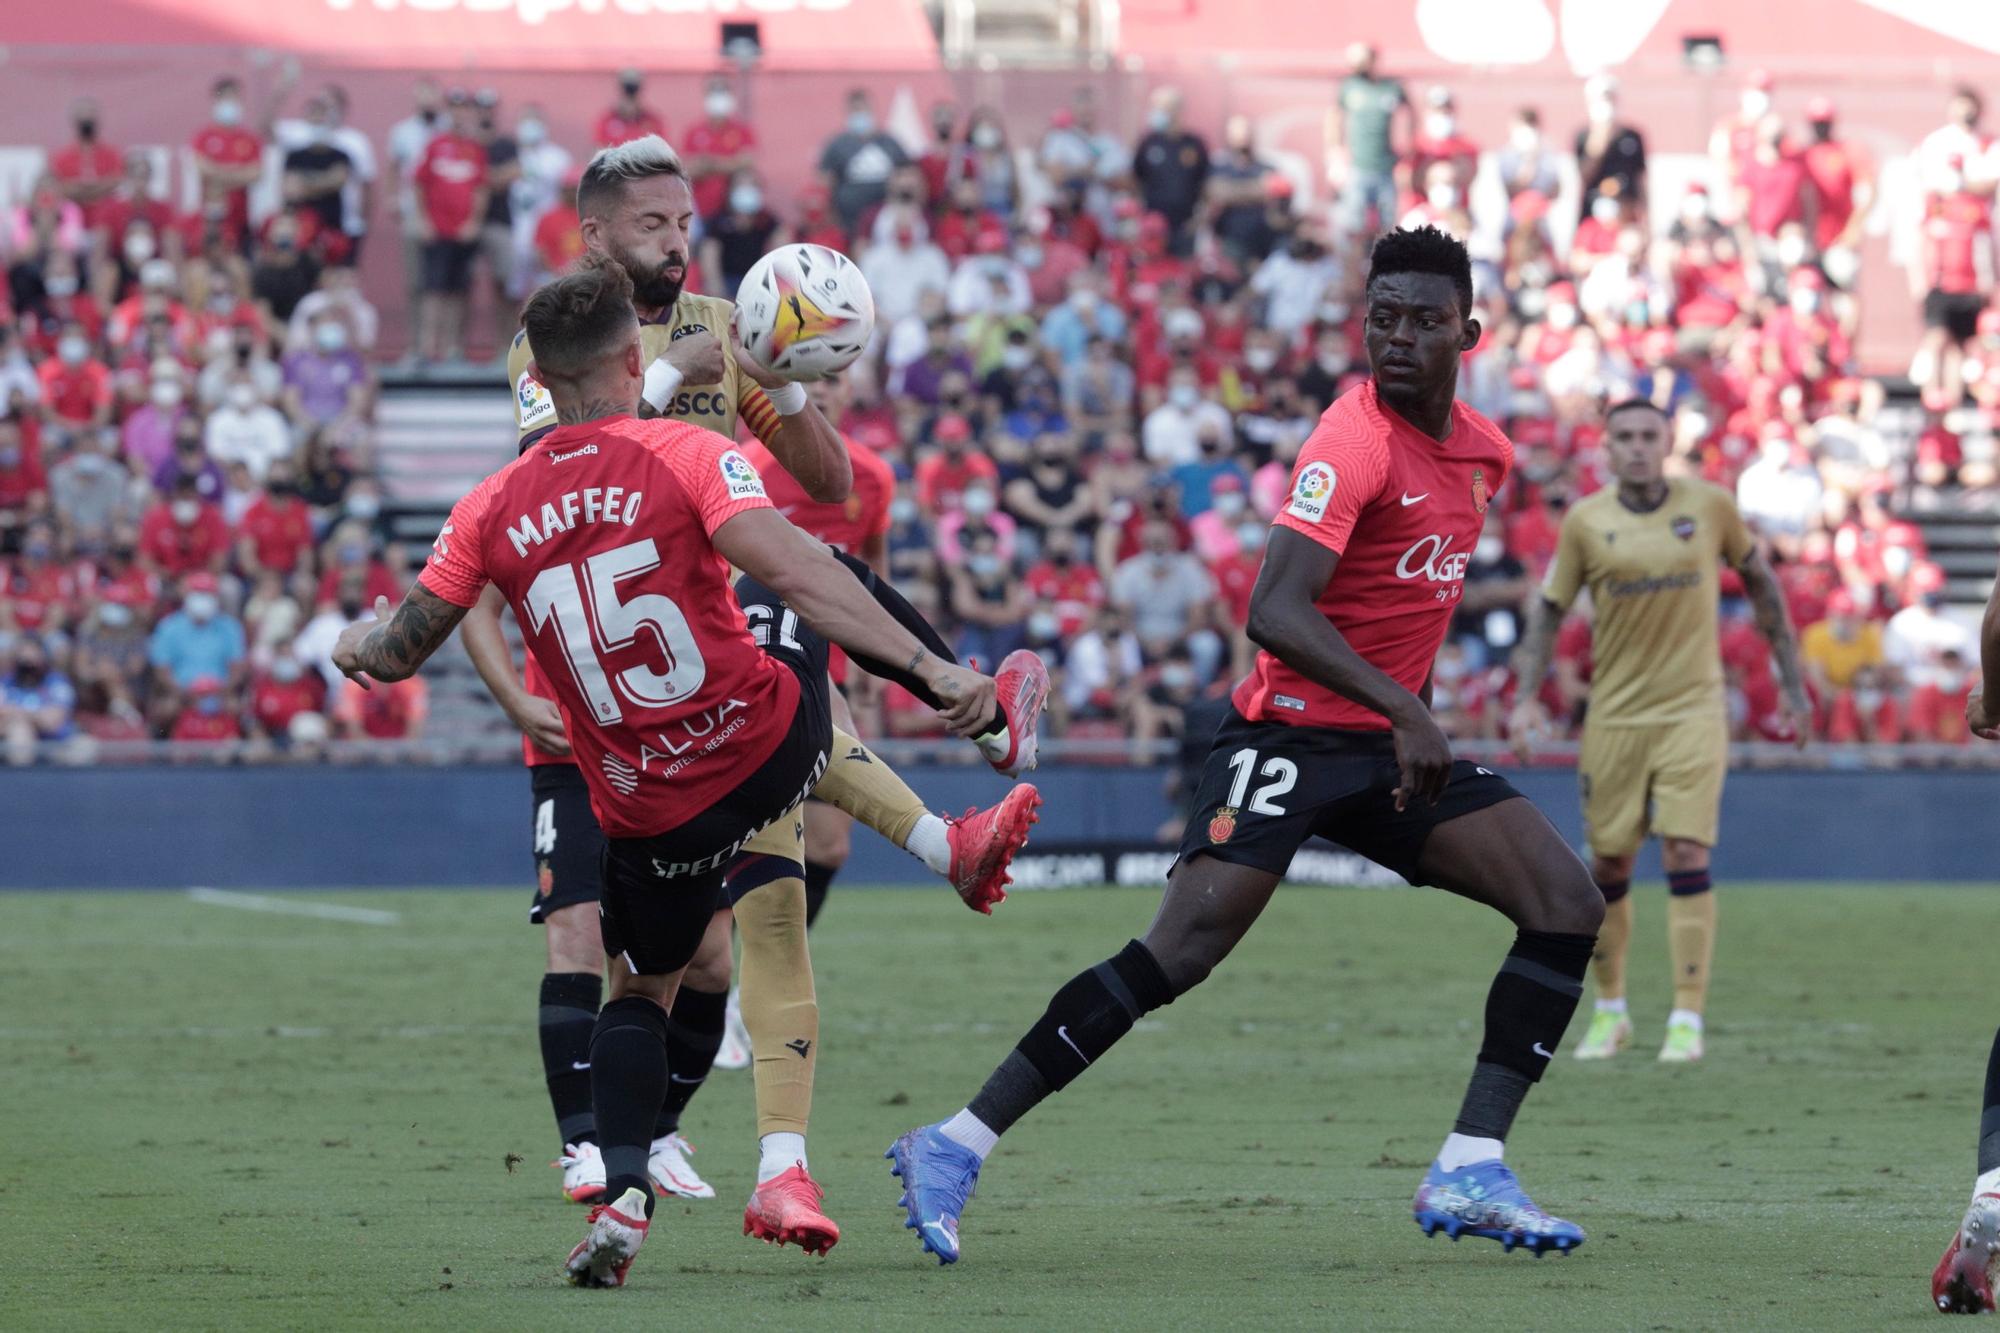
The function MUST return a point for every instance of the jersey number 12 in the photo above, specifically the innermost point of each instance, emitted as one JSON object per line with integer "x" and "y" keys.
{"x": 590, "y": 618}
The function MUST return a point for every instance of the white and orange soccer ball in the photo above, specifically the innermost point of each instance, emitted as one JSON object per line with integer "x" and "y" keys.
{"x": 805, "y": 311}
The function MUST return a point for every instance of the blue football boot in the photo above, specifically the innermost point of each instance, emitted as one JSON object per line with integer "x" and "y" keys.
{"x": 1484, "y": 1199}
{"x": 938, "y": 1178}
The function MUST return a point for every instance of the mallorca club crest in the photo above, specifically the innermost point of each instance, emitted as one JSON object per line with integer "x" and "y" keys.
{"x": 799, "y": 319}
{"x": 1480, "y": 495}
{"x": 1683, "y": 527}
{"x": 1223, "y": 827}
{"x": 545, "y": 879}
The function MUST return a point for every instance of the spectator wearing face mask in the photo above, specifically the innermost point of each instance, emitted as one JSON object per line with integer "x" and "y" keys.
{"x": 154, "y": 296}
{"x": 1212, "y": 528}
{"x": 198, "y": 641}
{"x": 1735, "y": 137}
{"x": 1213, "y": 468}
{"x": 1954, "y": 269}
{"x": 54, "y": 299}
{"x": 24, "y": 484}
{"x": 37, "y": 702}
{"x": 1295, "y": 282}
{"x": 109, "y": 663}
{"x": 541, "y": 185}
{"x": 281, "y": 271}
{"x": 1100, "y": 666}
{"x": 856, "y": 163}
{"x": 978, "y": 511}
{"x": 1608, "y": 149}
{"x": 76, "y": 386}
{"x": 1166, "y": 591}
{"x": 317, "y": 168}
{"x": 740, "y": 231}
{"x": 905, "y": 268}
{"x": 1172, "y": 431}
{"x": 37, "y": 590}
{"x": 1065, "y": 582}
{"x": 1773, "y": 189}
{"x": 206, "y": 717}
{"x": 245, "y": 429}
{"x": 182, "y": 534}
{"x": 228, "y": 159}
{"x": 1050, "y": 498}
{"x": 87, "y": 170}
{"x": 275, "y": 533}
{"x": 1440, "y": 138}
{"x": 716, "y": 148}
{"x": 987, "y": 599}
{"x": 1097, "y": 391}
{"x": 984, "y": 157}
{"x": 189, "y": 459}
{"x": 350, "y": 550}
{"x": 627, "y": 117}
{"x": 1083, "y": 315}
{"x": 281, "y": 692}
{"x": 91, "y": 492}
{"x": 326, "y": 380}
{"x": 452, "y": 185}
{"x": 990, "y": 281}
{"x": 1235, "y": 194}
{"x": 1168, "y": 692}
{"x": 408, "y": 140}
{"x": 325, "y": 123}
{"x": 1524, "y": 163}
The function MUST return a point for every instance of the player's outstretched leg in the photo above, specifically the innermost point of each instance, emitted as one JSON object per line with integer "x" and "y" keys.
{"x": 1509, "y": 857}
{"x": 1209, "y": 905}
{"x": 1963, "y": 1280}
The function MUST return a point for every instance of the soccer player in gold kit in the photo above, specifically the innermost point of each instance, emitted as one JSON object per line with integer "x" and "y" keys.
{"x": 1656, "y": 738}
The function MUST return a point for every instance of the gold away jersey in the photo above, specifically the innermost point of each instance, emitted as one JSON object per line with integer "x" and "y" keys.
{"x": 1654, "y": 585}
{"x": 714, "y": 406}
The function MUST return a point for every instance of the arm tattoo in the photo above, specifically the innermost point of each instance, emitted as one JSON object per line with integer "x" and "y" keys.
{"x": 590, "y": 409}
{"x": 1774, "y": 621}
{"x": 395, "y": 648}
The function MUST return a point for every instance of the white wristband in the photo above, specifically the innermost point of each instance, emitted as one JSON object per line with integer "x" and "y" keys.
{"x": 789, "y": 399}
{"x": 662, "y": 383}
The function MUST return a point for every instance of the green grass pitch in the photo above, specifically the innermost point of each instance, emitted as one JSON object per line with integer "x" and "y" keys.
{"x": 227, "y": 1119}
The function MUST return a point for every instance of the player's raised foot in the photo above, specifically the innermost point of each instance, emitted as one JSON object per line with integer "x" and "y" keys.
{"x": 785, "y": 1211}
{"x": 671, "y": 1171}
{"x": 1022, "y": 683}
{"x": 1962, "y": 1283}
{"x": 1683, "y": 1044}
{"x": 1483, "y": 1199}
{"x": 983, "y": 843}
{"x": 583, "y": 1172}
{"x": 938, "y": 1178}
{"x": 616, "y": 1232}
{"x": 734, "y": 1053}
{"x": 1606, "y": 1036}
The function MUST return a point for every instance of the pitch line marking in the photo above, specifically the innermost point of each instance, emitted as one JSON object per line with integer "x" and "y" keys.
{"x": 258, "y": 902}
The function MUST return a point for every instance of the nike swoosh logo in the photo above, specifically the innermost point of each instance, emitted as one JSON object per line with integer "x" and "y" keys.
{"x": 787, "y": 511}
{"x": 1063, "y": 1032}
{"x": 1545, "y": 1054}
{"x": 1409, "y": 499}
{"x": 579, "y": 1067}
{"x": 676, "y": 1078}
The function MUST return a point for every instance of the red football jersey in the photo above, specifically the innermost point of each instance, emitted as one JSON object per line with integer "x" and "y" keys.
{"x": 846, "y": 525}
{"x": 1403, "y": 512}
{"x": 599, "y": 537}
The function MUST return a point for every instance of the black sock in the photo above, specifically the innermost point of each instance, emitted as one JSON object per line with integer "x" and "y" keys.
{"x": 568, "y": 1014}
{"x": 911, "y": 619}
{"x": 1083, "y": 1021}
{"x": 694, "y": 1034}
{"x": 628, "y": 1081}
{"x": 1989, "y": 1118}
{"x": 1530, "y": 1004}
{"x": 819, "y": 878}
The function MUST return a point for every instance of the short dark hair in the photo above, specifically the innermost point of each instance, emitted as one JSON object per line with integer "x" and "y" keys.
{"x": 604, "y": 180}
{"x": 1637, "y": 405}
{"x": 574, "y": 321}
{"x": 1424, "y": 249}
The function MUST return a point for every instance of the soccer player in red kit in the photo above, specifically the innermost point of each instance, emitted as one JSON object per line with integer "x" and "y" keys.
{"x": 612, "y": 540}
{"x": 1330, "y": 736}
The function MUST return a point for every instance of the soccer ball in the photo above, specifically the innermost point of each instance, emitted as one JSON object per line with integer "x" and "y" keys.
{"x": 805, "y": 311}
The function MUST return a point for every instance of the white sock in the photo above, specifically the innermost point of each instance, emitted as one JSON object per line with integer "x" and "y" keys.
{"x": 1463, "y": 1150}
{"x": 930, "y": 842}
{"x": 1688, "y": 1016}
{"x": 1988, "y": 1182}
{"x": 779, "y": 1153}
{"x": 969, "y": 1131}
{"x": 1616, "y": 1006}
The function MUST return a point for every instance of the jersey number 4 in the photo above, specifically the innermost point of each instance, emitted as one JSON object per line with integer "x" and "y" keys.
{"x": 590, "y": 618}
{"x": 1264, "y": 801}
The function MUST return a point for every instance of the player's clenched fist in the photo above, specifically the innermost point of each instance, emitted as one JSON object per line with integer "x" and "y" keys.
{"x": 698, "y": 357}
{"x": 969, "y": 697}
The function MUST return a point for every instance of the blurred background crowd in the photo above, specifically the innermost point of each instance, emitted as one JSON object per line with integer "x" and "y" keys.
{"x": 1097, "y": 357}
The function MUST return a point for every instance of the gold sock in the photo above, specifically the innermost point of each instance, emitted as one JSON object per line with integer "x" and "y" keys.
{"x": 1691, "y": 945}
{"x": 1607, "y": 961}
{"x": 779, "y": 1005}
{"x": 858, "y": 782}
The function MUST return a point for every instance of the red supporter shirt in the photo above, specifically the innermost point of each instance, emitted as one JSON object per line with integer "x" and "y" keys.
{"x": 1403, "y": 512}
{"x": 559, "y": 237}
{"x": 74, "y": 393}
{"x": 452, "y": 172}
{"x": 614, "y": 129}
{"x": 846, "y": 525}
{"x": 1235, "y": 575}
{"x": 231, "y": 146}
{"x": 1074, "y": 594}
{"x": 279, "y": 534}
{"x": 710, "y": 139}
{"x": 181, "y": 550}
{"x": 39, "y": 595}
{"x": 668, "y": 704}
{"x": 1834, "y": 169}
{"x": 23, "y": 481}
{"x": 89, "y": 162}
{"x": 941, "y": 481}
{"x": 1953, "y": 226}
{"x": 195, "y": 725}
{"x": 274, "y": 703}
{"x": 1777, "y": 192}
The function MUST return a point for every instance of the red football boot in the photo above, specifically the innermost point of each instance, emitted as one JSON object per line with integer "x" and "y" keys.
{"x": 983, "y": 843}
{"x": 785, "y": 1211}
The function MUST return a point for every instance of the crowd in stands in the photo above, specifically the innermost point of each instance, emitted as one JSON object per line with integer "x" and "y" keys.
{"x": 1097, "y": 357}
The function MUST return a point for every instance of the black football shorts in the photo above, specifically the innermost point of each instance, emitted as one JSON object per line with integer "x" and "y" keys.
{"x": 1268, "y": 786}
{"x": 567, "y": 841}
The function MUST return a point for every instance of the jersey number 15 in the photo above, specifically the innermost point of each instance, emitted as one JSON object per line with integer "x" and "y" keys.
{"x": 582, "y": 601}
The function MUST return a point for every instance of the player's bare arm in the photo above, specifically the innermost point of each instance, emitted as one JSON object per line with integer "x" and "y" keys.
{"x": 486, "y": 644}
{"x": 1982, "y": 707}
{"x": 1529, "y": 719}
{"x": 1774, "y": 622}
{"x": 801, "y": 570}
{"x": 804, "y": 442}
{"x": 1286, "y": 622}
{"x": 392, "y": 646}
